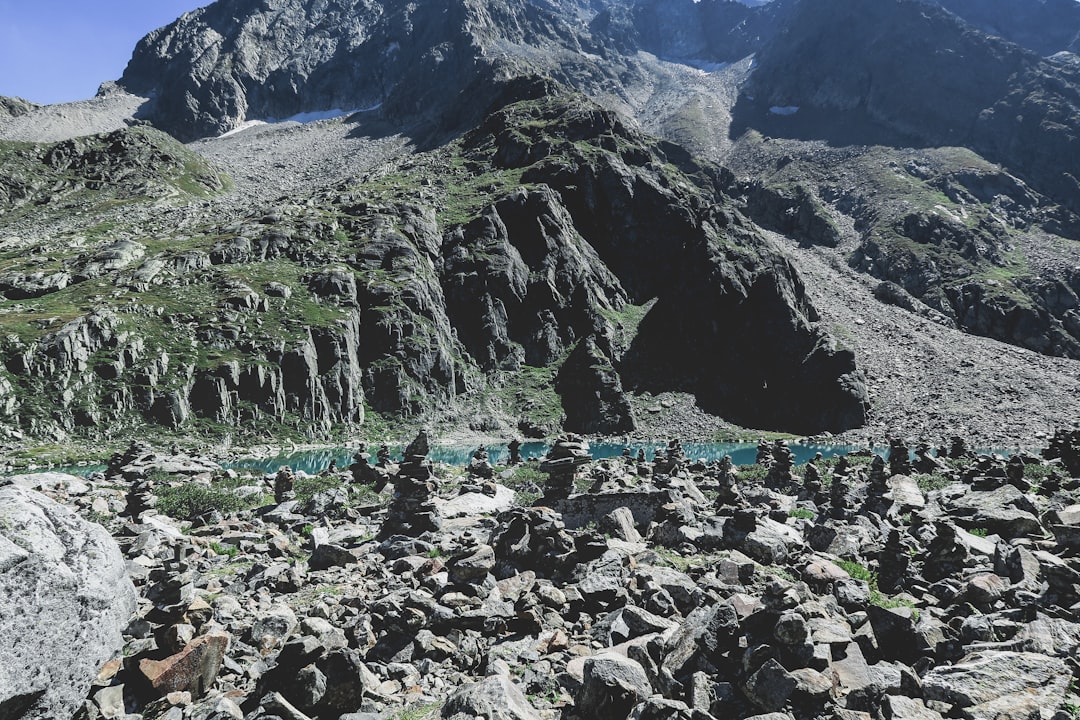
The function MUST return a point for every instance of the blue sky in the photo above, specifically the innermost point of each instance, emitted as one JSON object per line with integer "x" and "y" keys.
{"x": 60, "y": 50}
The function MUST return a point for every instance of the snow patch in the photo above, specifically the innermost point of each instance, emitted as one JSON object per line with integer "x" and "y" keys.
{"x": 705, "y": 66}
{"x": 307, "y": 117}
{"x": 784, "y": 109}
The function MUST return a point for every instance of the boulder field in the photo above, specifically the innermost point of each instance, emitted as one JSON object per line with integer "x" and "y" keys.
{"x": 916, "y": 585}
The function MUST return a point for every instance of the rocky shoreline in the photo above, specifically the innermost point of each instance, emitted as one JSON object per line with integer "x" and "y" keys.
{"x": 855, "y": 588}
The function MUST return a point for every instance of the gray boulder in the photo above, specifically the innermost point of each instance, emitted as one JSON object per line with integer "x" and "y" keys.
{"x": 64, "y": 601}
{"x": 613, "y": 686}
{"x": 993, "y": 682}
{"x": 493, "y": 698}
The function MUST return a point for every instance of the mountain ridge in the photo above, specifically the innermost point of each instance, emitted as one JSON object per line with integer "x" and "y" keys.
{"x": 342, "y": 261}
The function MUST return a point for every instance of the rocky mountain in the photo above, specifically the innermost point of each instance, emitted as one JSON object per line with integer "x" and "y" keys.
{"x": 484, "y": 227}
{"x": 546, "y": 229}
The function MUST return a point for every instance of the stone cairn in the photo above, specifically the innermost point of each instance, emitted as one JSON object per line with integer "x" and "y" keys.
{"x": 283, "y": 485}
{"x": 839, "y": 491}
{"x": 877, "y": 487}
{"x": 986, "y": 473}
{"x": 764, "y": 453}
{"x": 363, "y": 472}
{"x": 514, "y": 448}
{"x": 569, "y": 453}
{"x": 726, "y": 478}
{"x": 140, "y": 494}
{"x": 412, "y": 511}
{"x": 783, "y": 460}
{"x": 382, "y": 456}
{"x": 1065, "y": 445}
{"x": 1014, "y": 472}
{"x": 642, "y": 463}
{"x": 958, "y": 449}
{"x": 135, "y": 452}
{"x": 812, "y": 482}
{"x": 899, "y": 457}
{"x": 924, "y": 461}
{"x": 672, "y": 460}
{"x": 140, "y": 497}
{"x": 480, "y": 466}
{"x": 893, "y": 563}
{"x": 172, "y": 587}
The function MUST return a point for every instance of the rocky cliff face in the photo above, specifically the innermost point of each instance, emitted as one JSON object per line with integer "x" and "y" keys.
{"x": 430, "y": 62}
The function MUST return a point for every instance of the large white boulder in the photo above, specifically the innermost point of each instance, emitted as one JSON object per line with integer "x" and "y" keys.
{"x": 65, "y": 599}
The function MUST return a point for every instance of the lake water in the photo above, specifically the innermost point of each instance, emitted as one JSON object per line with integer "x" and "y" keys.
{"x": 314, "y": 461}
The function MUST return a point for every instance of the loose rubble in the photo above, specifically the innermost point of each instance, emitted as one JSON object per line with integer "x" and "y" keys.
{"x": 855, "y": 588}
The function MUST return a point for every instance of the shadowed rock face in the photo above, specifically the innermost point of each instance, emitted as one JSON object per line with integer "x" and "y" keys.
{"x": 921, "y": 76}
{"x": 1045, "y": 26}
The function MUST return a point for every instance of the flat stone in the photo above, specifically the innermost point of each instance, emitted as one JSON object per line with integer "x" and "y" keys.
{"x": 49, "y": 482}
{"x": 494, "y": 697}
{"x": 992, "y": 676}
{"x": 898, "y": 707}
{"x": 193, "y": 669}
{"x": 612, "y": 685}
{"x": 850, "y": 669}
{"x": 905, "y": 493}
{"x": 469, "y": 504}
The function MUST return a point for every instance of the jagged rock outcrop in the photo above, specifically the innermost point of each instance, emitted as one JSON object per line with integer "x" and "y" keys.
{"x": 124, "y": 164}
{"x": 11, "y": 107}
{"x": 65, "y": 599}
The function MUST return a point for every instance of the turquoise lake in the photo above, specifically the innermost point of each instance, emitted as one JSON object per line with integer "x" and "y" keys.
{"x": 314, "y": 461}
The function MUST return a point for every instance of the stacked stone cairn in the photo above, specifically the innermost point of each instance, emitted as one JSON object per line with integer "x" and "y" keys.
{"x": 671, "y": 460}
{"x": 569, "y": 453}
{"x": 878, "y": 500}
{"x": 783, "y": 460}
{"x": 284, "y": 482}
{"x": 382, "y": 456}
{"x": 1065, "y": 446}
{"x": 480, "y": 466}
{"x": 363, "y": 472}
{"x": 764, "y": 452}
{"x": 839, "y": 502}
{"x": 727, "y": 491}
{"x": 514, "y": 449}
{"x": 899, "y": 457}
{"x": 958, "y": 449}
{"x": 412, "y": 510}
{"x": 812, "y": 482}
{"x": 924, "y": 462}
